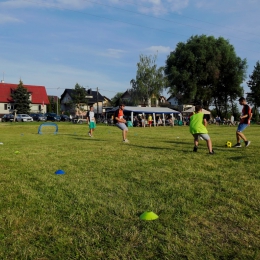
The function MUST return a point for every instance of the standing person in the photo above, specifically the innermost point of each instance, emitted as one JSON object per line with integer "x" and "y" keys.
{"x": 198, "y": 129}
{"x": 92, "y": 121}
{"x": 150, "y": 120}
{"x": 232, "y": 119}
{"x": 119, "y": 117}
{"x": 159, "y": 122}
{"x": 244, "y": 123}
{"x": 218, "y": 120}
{"x": 143, "y": 120}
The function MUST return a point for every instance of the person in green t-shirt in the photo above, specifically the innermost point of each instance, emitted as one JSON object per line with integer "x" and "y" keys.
{"x": 198, "y": 129}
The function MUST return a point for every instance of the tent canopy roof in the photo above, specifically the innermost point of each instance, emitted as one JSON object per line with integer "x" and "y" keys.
{"x": 148, "y": 110}
{"x": 192, "y": 109}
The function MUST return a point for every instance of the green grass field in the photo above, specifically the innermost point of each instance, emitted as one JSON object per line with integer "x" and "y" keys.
{"x": 208, "y": 206}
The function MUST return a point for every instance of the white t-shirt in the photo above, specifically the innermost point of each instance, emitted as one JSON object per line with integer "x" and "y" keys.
{"x": 91, "y": 116}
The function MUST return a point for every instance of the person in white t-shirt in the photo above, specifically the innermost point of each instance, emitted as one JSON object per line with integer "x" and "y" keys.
{"x": 92, "y": 121}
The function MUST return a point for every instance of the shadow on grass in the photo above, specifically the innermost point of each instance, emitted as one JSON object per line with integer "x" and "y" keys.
{"x": 149, "y": 147}
{"x": 89, "y": 139}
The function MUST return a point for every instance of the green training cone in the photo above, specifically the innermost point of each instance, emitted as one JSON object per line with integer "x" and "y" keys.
{"x": 148, "y": 215}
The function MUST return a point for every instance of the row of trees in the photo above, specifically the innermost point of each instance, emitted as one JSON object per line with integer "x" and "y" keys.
{"x": 204, "y": 70}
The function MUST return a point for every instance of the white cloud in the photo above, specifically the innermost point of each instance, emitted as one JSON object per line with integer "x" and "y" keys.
{"x": 57, "y": 77}
{"x": 75, "y": 4}
{"x": 223, "y": 6}
{"x": 15, "y": 4}
{"x": 161, "y": 7}
{"x": 159, "y": 49}
{"x": 113, "y": 53}
{"x": 8, "y": 19}
{"x": 177, "y": 5}
{"x": 156, "y": 7}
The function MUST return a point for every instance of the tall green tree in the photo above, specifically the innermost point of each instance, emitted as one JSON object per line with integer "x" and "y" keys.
{"x": 149, "y": 82}
{"x": 253, "y": 97}
{"x": 21, "y": 98}
{"x": 53, "y": 105}
{"x": 206, "y": 70}
{"x": 79, "y": 99}
{"x": 116, "y": 99}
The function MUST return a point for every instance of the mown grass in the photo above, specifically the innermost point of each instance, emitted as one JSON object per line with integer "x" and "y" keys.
{"x": 208, "y": 206}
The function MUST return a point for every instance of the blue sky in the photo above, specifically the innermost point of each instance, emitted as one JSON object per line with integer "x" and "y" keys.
{"x": 97, "y": 43}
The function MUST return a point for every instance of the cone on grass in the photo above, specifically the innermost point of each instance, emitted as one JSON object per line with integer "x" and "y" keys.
{"x": 148, "y": 215}
{"x": 59, "y": 172}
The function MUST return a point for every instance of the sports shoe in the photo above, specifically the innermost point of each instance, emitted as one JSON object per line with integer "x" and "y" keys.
{"x": 195, "y": 149}
{"x": 238, "y": 145}
{"x": 89, "y": 134}
{"x": 211, "y": 153}
{"x": 125, "y": 141}
{"x": 247, "y": 143}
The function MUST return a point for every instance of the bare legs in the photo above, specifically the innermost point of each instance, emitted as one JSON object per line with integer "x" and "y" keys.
{"x": 124, "y": 133}
{"x": 209, "y": 144}
{"x": 239, "y": 136}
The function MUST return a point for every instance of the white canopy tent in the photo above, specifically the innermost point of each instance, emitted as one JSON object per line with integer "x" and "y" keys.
{"x": 149, "y": 110}
{"x": 192, "y": 109}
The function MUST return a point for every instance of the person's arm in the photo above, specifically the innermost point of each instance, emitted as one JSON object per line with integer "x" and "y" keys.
{"x": 205, "y": 122}
{"x": 121, "y": 120}
{"x": 246, "y": 113}
{"x": 87, "y": 117}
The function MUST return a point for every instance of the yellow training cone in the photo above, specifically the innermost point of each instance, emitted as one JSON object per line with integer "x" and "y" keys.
{"x": 148, "y": 215}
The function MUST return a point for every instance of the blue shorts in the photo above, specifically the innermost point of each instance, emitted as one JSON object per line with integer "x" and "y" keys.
{"x": 122, "y": 126}
{"x": 241, "y": 127}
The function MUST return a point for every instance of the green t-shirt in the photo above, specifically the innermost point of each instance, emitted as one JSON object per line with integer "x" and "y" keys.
{"x": 196, "y": 124}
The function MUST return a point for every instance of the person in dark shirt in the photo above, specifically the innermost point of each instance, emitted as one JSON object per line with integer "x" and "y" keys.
{"x": 244, "y": 123}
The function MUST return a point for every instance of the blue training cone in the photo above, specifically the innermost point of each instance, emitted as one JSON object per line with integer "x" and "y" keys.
{"x": 59, "y": 172}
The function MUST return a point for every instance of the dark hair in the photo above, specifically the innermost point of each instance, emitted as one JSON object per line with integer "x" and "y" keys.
{"x": 198, "y": 108}
{"x": 121, "y": 105}
{"x": 241, "y": 99}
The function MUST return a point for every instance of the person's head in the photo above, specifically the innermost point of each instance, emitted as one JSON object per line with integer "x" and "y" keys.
{"x": 121, "y": 106}
{"x": 198, "y": 108}
{"x": 242, "y": 101}
{"x": 91, "y": 108}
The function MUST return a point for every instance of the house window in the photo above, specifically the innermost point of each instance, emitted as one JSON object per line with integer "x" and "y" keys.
{"x": 8, "y": 107}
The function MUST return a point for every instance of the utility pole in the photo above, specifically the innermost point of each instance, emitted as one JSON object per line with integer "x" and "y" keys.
{"x": 57, "y": 101}
{"x": 97, "y": 102}
{"x": 57, "y": 104}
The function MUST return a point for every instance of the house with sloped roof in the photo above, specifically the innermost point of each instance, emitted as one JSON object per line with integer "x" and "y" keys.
{"x": 94, "y": 98}
{"x": 38, "y": 98}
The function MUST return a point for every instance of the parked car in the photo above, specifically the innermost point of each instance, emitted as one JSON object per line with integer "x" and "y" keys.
{"x": 38, "y": 117}
{"x": 23, "y": 118}
{"x": 52, "y": 117}
{"x": 64, "y": 118}
{"x": 8, "y": 118}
